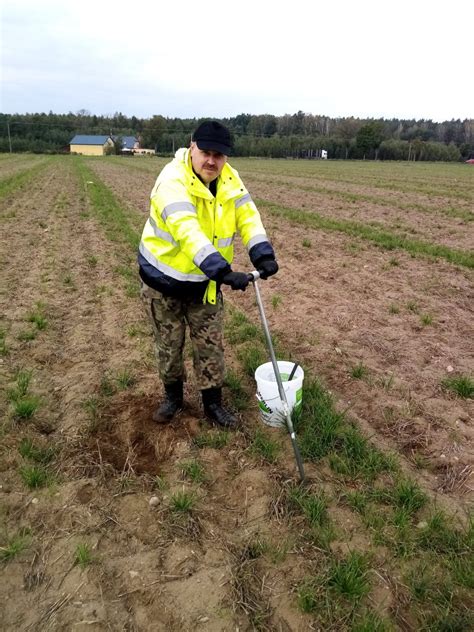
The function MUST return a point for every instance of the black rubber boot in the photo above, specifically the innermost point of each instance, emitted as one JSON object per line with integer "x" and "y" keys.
{"x": 171, "y": 405}
{"x": 212, "y": 401}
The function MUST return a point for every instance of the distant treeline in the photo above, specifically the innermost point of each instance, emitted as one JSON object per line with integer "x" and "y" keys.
{"x": 297, "y": 135}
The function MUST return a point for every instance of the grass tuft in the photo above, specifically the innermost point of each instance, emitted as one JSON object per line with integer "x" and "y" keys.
{"x": 125, "y": 379}
{"x": 106, "y": 388}
{"x": 440, "y": 536}
{"x": 462, "y": 385}
{"x": 15, "y": 545}
{"x": 194, "y": 470}
{"x": 27, "y": 335}
{"x": 35, "y": 476}
{"x": 37, "y": 316}
{"x": 25, "y": 407}
{"x": 3, "y": 345}
{"x": 349, "y": 576}
{"x": 276, "y": 300}
{"x": 426, "y": 319}
{"x": 251, "y": 357}
{"x": 359, "y": 371}
{"x": 313, "y": 507}
{"x": 240, "y": 398}
{"x": 216, "y": 439}
{"x": 265, "y": 447}
{"x": 182, "y": 502}
{"x": 29, "y": 450}
{"x": 83, "y": 555}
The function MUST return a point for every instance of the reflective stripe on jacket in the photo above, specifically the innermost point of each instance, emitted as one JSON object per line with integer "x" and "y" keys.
{"x": 189, "y": 236}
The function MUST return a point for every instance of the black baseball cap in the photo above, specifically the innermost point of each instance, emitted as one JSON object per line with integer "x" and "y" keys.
{"x": 213, "y": 136}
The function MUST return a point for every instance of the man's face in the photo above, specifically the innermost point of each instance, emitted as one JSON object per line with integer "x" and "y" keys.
{"x": 207, "y": 164}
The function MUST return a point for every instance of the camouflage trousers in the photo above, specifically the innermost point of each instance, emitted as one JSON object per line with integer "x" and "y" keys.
{"x": 169, "y": 318}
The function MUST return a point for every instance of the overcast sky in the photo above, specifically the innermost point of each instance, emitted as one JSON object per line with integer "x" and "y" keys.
{"x": 364, "y": 58}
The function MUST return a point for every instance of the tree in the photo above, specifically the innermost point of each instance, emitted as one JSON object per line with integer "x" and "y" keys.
{"x": 153, "y": 130}
{"x": 369, "y": 138}
{"x": 346, "y": 130}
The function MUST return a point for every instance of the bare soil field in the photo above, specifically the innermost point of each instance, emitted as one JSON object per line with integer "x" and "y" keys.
{"x": 108, "y": 522}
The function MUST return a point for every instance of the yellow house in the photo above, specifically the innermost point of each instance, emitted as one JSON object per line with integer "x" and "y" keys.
{"x": 90, "y": 145}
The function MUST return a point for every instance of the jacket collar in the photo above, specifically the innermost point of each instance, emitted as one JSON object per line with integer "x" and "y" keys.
{"x": 229, "y": 184}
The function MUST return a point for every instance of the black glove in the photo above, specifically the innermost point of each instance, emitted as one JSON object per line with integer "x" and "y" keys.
{"x": 236, "y": 280}
{"x": 267, "y": 268}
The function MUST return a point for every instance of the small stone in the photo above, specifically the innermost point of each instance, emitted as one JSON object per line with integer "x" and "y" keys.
{"x": 422, "y": 525}
{"x": 449, "y": 368}
{"x": 154, "y": 501}
{"x": 203, "y": 619}
{"x": 133, "y": 574}
{"x": 337, "y": 350}
{"x": 442, "y": 456}
{"x": 35, "y": 501}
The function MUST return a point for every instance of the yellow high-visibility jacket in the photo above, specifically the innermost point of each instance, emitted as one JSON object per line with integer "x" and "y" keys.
{"x": 188, "y": 240}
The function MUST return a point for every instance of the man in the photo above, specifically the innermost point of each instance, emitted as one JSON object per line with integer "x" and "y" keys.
{"x": 198, "y": 203}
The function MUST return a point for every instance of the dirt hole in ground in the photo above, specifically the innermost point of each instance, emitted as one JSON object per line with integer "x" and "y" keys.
{"x": 130, "y": 440}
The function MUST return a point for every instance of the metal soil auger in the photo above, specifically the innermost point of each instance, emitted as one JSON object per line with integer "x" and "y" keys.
{"x": 253, "y": 276}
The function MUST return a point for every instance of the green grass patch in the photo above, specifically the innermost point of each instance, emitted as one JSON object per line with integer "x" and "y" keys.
{"x": 442, "y": 537}
{"x": 27, "y": 335}
{"x": 4, "y": 351}
{"x": 194, "y": 470}
{"x": 426, "y": 319}
{"x": 374, "y": 234}
{"x": 29, "y": 450}
{"x": 125, "y": 379}
{"x": 437, "y": 602}
{"x": 240, "y": 398}
{"x": 461, "y": 385}
{"x": 93, "y": 406}
{"x": 239, "y": 329}
{"x": 216, "y": 439}
{"x": 114, "y": 218}
{"x": 23, "y": 379}
{"x": 25, "y": 407}
{"x": 14, "y": 545}
{"x": 83, "y": 555}
{"x": 251, "y": 357}
{"x": 35, "y": 476}
{"x": 349, "y": 576}
{"x": 182, "y": 502}
{"x": 336, "y": 593}
{"x": 24, "y": 404}
{"x": 265, "y": 446}
{"x": 276, "y": 300}
{"x": 357, "y": 457}
{"x": 37, "y": 316}
{"x": 107, "y": 387}
{"x": 412, "y": 306}
{"x": 313, "y": 506}
{"x": 359, "y": 371}
{"x": 19, "y": 180}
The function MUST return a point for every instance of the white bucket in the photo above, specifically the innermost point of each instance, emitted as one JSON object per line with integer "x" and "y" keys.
{"x": 269, "y": 402}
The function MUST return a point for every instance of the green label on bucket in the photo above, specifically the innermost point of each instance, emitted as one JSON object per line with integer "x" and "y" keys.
{"x": 263, "y": 407}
